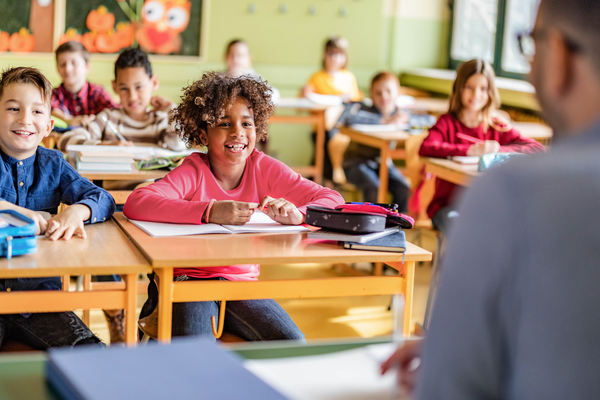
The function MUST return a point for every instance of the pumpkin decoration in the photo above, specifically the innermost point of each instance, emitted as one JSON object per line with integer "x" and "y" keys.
{"x": 89, "y": 41}
{"x": 100, "y": 20}
{"x": 124, "y": 34}
{"x": 108, "y": 42}
{"x": 70, "y": 35}
{"x": 21, "y": 41}
{"x": 4, "y": 38}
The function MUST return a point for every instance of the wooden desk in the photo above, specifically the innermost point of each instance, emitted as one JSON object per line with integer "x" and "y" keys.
{"x": 431, "y": 105}
{"x": 311, "y": 113}
{"x": 540, "y": 132}
{"x": 165, "y": 253}
{"x": 448, "y": 170}
{"x": 386, "y": 142}
{"x": 106, "y": 251}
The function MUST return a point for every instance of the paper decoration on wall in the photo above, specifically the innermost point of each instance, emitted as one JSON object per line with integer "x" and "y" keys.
{"x": 157, "y": 26}
{"x": 29, "y": 27}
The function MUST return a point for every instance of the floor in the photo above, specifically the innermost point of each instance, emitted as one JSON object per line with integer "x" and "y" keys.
{"x": 343, "y": 317}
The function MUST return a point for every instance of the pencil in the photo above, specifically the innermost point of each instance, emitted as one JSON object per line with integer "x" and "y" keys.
{"x": 113, "y": 128}
{"x": 469, "y": 138}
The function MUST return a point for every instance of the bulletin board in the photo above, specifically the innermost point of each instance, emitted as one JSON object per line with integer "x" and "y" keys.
{"x": 160, "y": 27}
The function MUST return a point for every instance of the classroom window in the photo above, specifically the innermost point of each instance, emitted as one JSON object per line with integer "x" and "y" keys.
{"x": 488, "y": 29}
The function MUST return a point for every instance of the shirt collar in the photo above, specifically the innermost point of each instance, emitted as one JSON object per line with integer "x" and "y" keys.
{"x": 13, "y": 161}
{"x": 83, "y": 92}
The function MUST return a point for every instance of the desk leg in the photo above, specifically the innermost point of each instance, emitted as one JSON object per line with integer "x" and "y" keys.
{"x": 131, "y": 309}
{"x": 87, "y": 287}
{"x": 320, "y": 147}
{"x": 165, "y": 303}
{"x": 408, "y": 289}
{"x": 383, "y": 173}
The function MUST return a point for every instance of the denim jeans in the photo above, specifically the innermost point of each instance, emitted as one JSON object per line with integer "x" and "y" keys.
{"x": 46, "y": 330}
{"x": 252, "y": 320}
{"x": 365, "y": 176}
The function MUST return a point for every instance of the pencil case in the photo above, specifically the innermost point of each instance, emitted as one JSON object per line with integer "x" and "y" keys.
{"x": 356, "y": 219}
{"x": 17, "y": 234}
{"x": 492, "y": 160}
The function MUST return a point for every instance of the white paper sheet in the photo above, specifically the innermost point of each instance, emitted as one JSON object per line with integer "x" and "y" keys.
{"x": 348, "y": 375}
{"x": 259, "y": 222}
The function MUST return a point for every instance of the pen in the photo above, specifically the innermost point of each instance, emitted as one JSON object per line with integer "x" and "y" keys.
{"x": 469, "y": 138}
{"x": 113, "y": 128}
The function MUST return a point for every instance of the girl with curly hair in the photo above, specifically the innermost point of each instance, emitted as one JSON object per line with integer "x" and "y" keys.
{"x": 227, "y": 114}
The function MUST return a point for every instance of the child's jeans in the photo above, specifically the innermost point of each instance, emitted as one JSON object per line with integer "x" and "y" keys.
{"x": 365, "y": 176}
{"x": 46, "y": 330}
{"x": 252, "y": 320}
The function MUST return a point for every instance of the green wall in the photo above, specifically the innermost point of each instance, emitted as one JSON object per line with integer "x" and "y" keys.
{"x": 287, "y": 48}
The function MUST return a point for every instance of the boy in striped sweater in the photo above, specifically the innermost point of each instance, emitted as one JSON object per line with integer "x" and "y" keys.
{"x": 134, "y": 82}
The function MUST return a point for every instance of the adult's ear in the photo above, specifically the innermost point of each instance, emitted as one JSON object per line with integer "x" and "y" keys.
{"x": 561, "y": 57}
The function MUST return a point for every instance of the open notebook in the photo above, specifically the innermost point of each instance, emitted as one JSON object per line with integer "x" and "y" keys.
{"x": 259, "y": 223}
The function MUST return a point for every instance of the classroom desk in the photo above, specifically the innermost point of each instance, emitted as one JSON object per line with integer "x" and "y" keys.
{"x": 311, "y": 113}
{"x": 540, "y": 132}
{"x": 166, "y": 253}
{"x": 430, "y": 105}
{"x": 453, "y": 172}
{"x": 106, "y": 251}
{"x": 386, "y": 142}
{"x": 22, "y": 376}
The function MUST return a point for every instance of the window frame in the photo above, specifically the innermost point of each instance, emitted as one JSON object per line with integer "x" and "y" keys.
{"x": 498, "y": 43}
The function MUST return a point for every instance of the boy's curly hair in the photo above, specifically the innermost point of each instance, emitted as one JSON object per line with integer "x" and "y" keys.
{"x": 205, "y": 102}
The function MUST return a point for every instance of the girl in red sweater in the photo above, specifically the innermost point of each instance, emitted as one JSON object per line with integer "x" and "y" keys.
{"x": 473, "y": 102}
{"x": 224, "y": 186}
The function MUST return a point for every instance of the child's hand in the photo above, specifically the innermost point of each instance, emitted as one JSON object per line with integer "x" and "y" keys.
{"x": 281, "y": 210}
{"x": 229, "y": 212}
{"x": 397, "y": 119}
{"x": 115, "y": 143}
{"x": 489, "y": 146}
{"x": 161, "y": 103}
{"x": 68, "y": 223}
{"x": 306, "y": 90}
{"x": 40, "y": 223}
{"x": 82, "y": 120}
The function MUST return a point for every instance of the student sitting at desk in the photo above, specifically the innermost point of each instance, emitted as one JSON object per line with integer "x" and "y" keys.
{"x": 77, "y": 101}
{"x": 334, "y": 80}
{"x": 361, "y": 163}
{"x": 227, "y": 114}
{"x": 469, "y": 129}
{"x": 135, "y": 121}
{"x": 33, "y": 178}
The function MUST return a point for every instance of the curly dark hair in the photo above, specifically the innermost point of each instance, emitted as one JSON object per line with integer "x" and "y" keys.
{"x": 205, "y": 102}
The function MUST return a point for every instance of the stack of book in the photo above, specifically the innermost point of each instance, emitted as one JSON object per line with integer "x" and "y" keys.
{"x": 120, "y": 161}
{"x": 390, "y": 239}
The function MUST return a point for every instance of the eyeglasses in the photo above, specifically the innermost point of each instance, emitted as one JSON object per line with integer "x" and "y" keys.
{"x": 527, "y": 44}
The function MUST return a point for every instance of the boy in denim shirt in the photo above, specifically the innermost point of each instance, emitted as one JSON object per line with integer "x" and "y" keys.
{"x": 34, "y": 179}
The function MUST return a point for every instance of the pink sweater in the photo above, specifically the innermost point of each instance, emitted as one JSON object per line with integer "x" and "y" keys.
{"x": 183, "y": 195}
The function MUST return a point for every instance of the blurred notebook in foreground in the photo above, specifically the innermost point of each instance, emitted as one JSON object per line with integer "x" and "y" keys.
{"x": 184, "y": 370}
{"x": 395, "y": 242}
{"x": 259, "y": 223}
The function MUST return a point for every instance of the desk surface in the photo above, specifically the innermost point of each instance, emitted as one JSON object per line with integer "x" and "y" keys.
{"x": 299, "y": 103}
{"x": 247, "y": 248}
{"x": 429, "y": 104}
{"x": 448, "y": 170}
{"x": 534, "y": 130}
{"x": 107, "y": 250}
{"x": 22, "y": 376}
{"x": 398, "y": 136}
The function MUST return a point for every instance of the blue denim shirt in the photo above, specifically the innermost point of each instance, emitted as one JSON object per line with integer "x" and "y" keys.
{"x": 40, "y": 183}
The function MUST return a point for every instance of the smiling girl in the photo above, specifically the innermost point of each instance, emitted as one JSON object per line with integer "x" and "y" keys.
{"x": 227, "y": 114}
{"x": 473, "y": 102}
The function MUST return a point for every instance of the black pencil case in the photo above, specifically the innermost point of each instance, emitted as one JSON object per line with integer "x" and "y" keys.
{"x": 341, "y": 221}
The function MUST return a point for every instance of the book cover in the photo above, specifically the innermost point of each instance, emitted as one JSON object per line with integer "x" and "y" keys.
{"x": 187, "y": 369}
{"x": 103, "y": 166}
{"x": 324, "y": 234}
{"x": 395, "y": 242}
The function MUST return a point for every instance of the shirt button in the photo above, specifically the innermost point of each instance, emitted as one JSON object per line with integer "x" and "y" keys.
{"x": 8, "y": 289}
{"x": 21, "y": 183}
{"x": 20, "y": 162}
{"x": 95, "y": 219}
{"x": 103, "y": 218}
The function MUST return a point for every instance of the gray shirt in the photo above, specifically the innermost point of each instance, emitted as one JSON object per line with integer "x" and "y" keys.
{"x": 516, "y": 315}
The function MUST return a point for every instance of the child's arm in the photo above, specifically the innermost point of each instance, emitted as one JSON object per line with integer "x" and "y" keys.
{"x": 438, "y": 143}
{"x": 170, "y": 199}
{"x": 513, "y": 142}
{"x": 40, "y": 223}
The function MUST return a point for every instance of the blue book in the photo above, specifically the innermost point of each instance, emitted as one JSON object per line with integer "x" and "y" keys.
{"x": 189, "y": 368}
{"x": 395, "y": 242}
